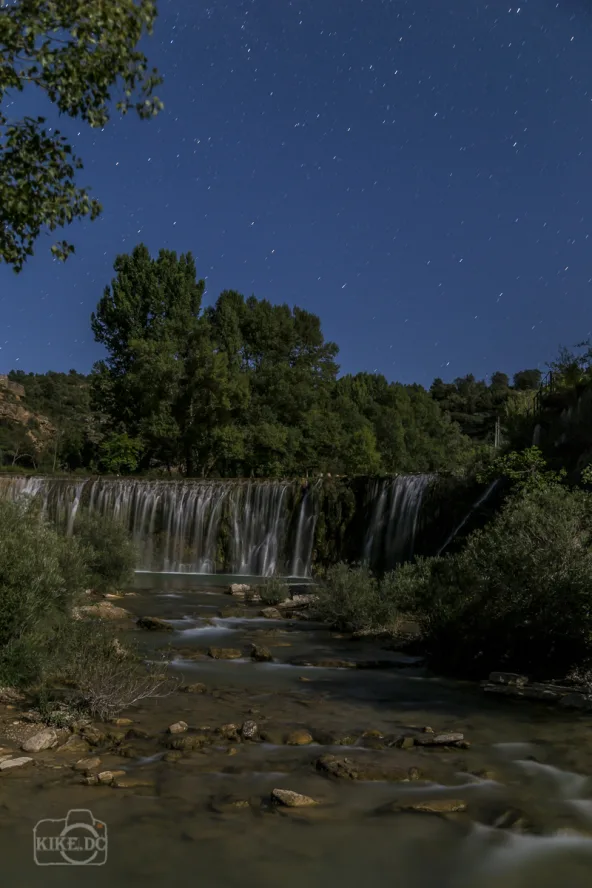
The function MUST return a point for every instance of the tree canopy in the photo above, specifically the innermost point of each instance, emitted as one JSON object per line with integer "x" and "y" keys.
{"x": 242, "y": 387}
{"x": 81, "y": 55}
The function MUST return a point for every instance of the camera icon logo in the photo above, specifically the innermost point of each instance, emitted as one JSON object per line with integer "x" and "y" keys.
{"x": 79, "y": 839}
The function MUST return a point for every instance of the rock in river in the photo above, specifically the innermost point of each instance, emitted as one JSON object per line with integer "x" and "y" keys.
{"x": 250, "y": 730}
{"x": 154, "y": 624}
{"x": 261, "y": 654}
{"x": 299, "y": 737}
{"x": 8, "y": 764}
{"x": 291, "y": 799}
{"x": 44, "y": 739}
{"x": 177, "y": 728}
{"x": 364, "y": 769}
{"x": 224, "y": 653}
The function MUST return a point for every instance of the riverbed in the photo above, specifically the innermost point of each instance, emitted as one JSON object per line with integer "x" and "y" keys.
{"x": 510, "y": 804}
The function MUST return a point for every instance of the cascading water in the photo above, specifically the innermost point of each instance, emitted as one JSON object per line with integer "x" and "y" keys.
{"x": 394, "y": 510}
{"x": 255, "y": 528}
{"x": 191, "y": 526}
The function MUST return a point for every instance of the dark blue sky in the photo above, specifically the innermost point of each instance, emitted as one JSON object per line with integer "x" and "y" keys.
{"x": 417, "y": 173}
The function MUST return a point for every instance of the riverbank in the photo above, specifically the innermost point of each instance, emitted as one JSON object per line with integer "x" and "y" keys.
{"x": 393, "y": 763}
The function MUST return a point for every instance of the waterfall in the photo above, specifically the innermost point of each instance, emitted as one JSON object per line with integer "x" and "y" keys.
{"x": 256, "y": 528}
{"x": 394, "y": 510}
{"x": 189, "y": 526}
{"x": 305, "y": 531}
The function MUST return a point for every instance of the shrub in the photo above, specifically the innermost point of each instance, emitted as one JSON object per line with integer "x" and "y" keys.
{"x": 103, "y": 678}
{"x": 41, "y": 576}
{"x": 273, "y": 590}
{"x": 518, "y": 595}
{"x": 351, "y": 598}
{"x": 109, "y": 551}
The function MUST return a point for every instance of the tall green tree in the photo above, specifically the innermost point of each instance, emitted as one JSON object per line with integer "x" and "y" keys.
{"x": 148, "y": 321}
{"x": 81, "y": 54}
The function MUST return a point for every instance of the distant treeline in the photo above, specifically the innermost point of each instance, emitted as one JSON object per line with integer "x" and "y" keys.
{"x": 243, "y": 388}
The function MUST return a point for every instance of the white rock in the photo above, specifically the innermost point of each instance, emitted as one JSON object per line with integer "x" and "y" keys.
{"x": 178, "y": 728}
{"x": 291, "y": 799}
{"x": 239, "y": 589}
{"x": 44, "y": 739}
{"x": 15, "y": 763}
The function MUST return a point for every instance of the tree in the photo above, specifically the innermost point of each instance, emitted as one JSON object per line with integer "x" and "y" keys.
{"x": 527, "y": 380}
{"x": 148, "y": 320}
{"x": 78, "y": 53}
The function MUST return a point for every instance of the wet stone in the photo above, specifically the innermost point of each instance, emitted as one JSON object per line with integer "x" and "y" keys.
{"x": 439, "y": 739}
{"x": 291, "y": 799}
{"x": 250, "y": 730}
{"x": 271, "y": 613}
{"x": 224, "y": 653}
{"x": 177, "y": 728}
{"x": 11, "y": 763}
{"x": 229, "y": 803}
{"x": 349, "y": 769}
{"x": 154, "y": 624}
{"x": 87, "y": 764}
{"x": 299, "y": 737}
{"x": 261, "y": 654}
{"x": 41, "y": 740}
{"x": 196, "y": 688}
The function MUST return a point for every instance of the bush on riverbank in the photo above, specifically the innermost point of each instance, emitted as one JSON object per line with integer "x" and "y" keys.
{"x": 352, "y": 599}
{"x": 110, "y": 554}
{"x": 518, "y": 595}
{"x": 43, "y": 576}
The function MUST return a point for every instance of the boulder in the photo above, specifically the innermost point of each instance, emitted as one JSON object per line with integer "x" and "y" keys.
{"x": 261, "y": 654}
{"x": 130, "y": 782}
{"x": 104, "y": 610}
{"x": 436, "y": 806}
{"x": 121, "y": 722}
{"x": 44, "y": 739}
{"x": 106, "y": 778}
{"x": 439, "y": 739}
{"x": 187, "y": 742}
{"x": 9, "y": 764}
{"x": 271, "y": 613}
{"x": 74, "y": 745}
{"x": 224, "y": 653}
{"x": 230, "y": 732}
{"x": 250, "y": 730}
{"x": 87, "y": 764}
{"x": 238, "y": 589}
{"x": 177, "y": 728}
{"x": 348, "y": 769}
{"x": 299, "y": 737}
{"x": 153, "y": 624}
{"x": 291, "y": 799}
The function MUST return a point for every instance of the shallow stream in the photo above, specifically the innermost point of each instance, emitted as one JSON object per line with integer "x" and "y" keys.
{"x": 521, "y": 788}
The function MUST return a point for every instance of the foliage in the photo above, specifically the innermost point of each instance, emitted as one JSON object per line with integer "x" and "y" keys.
{"x": 105, "y": 678}
{"x": 41, "y": 575}
{"x": 518, "y": 594}
{"x": 352, "y": 599}
{"x": 273, "y": 590}
{"x": 119, "y": 454}
{"x": 76, "y": 53}
{"x": 108, "y": 551}
{"x": 525, "y": 470}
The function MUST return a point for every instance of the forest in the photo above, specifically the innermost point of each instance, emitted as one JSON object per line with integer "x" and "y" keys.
{"x": 242, "y": 388}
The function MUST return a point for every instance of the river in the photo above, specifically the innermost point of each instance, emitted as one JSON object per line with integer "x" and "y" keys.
{"x": 521, "y": 788}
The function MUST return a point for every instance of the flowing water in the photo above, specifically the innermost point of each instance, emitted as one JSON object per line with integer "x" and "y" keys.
{"x": 249, "y": 527}
{"x": 525, "y": 778}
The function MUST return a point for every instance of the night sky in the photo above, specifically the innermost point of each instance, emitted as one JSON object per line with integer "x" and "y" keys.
{"x": 416, "y": 172}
